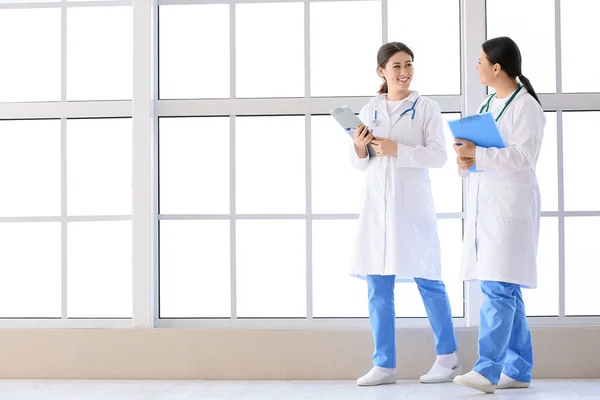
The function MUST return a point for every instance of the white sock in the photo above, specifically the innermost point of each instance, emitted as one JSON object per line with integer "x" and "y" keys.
{"x": 447, "y": 360}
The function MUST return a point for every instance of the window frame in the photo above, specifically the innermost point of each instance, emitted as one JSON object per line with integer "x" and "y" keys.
{"x": 145, "y": 108}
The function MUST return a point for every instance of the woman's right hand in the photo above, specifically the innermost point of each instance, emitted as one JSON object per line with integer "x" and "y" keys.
{"x": 362, "y": 137}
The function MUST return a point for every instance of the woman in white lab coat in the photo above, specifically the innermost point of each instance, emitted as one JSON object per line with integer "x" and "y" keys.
{"x": 503, "y": 219}
{"x": 397, "y": 228}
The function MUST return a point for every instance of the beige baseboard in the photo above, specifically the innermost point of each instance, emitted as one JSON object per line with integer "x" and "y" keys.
{"x": 560, "y": 352}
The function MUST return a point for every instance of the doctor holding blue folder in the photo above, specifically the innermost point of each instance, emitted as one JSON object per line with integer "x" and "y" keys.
{"x": 503, "y": 219}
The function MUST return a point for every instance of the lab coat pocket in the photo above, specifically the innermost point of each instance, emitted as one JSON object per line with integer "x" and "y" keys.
{"x": 507, "y": 199}
{"x": 417, "y": 198}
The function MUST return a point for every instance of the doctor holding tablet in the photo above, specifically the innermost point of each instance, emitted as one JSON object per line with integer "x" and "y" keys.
{"x": 397, "y": 227}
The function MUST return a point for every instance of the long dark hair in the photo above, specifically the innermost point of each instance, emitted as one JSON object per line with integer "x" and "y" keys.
{"x": 385, "y": 53}
{"x": 504, "y": 51}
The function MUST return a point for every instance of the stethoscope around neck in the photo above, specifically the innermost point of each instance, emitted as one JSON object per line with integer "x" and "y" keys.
{"x": 410, "y": 110}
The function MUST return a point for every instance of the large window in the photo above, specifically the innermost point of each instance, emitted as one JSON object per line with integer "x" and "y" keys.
{"x": 65, "y": 213}
{"x": 567, "y": 256}
{"x": 258, "y": 208}
{"x": 175, "y": 164}
{"x": 582, "y": 210}
{"x": 65, "y": 209}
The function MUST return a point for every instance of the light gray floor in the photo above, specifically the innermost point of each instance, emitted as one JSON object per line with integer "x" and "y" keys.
{"x": 280, "y": 390}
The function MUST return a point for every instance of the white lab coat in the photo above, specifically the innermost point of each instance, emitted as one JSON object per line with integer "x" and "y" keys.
{"x": 503, "y": 202}
{"x": 397, "y": 227}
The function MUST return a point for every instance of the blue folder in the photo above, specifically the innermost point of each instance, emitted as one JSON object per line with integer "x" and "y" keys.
{"x": 480, "y": 129}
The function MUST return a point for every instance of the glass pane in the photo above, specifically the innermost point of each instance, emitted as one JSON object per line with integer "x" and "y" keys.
{"x": 99, "y": 166}
{"x": 582, "y": 266}
{"x": 194, "y": 269}
{"x": 446, "y": 184}
{"x": 269, "y": 51}
{"x": 271, "y": 268}
{"x": 34, "y": 48}
{"x": 336, "y": 184}
{"x": 332, "y": 240}
{"x": 31, "y": 280}
{"x": 408, "y": 299}
{"x": 579, "y": 23}
{"x": 99, "y": 269}
{"x": 30, "y": 161}
{"x": 580, "y": 155}
{"x": 338, "y": 70}
{"x": 192, "y": 179}
{"x": 543, "y": 301}
{"x": 99, "y": 60}
{"x": 429, "y": 77}
{"x": 450, "y": 233}
{"x": 270, "y": 165}
{"x": 546, "y": 170}
{"x": 194, "y": 51}
{"x": 539, "y": 57}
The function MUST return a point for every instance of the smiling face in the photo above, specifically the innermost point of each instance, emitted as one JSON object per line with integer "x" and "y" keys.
{"x": 398, "y": 71}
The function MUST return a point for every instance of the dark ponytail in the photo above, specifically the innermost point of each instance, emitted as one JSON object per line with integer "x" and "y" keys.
{"x": 383, "y": 88}
{"x": 384, "y": 54}
{"x": 504, "y": 51}
{"x": 529, "y": 88}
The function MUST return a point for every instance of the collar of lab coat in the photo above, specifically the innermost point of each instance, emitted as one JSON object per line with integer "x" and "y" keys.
{"x": 521, "y": 93}
{"x": 379, "y": 101}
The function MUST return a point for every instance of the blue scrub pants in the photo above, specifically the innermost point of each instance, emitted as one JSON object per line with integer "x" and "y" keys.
{"x": 504, "y": 337}
{"x": 382, "y": 316}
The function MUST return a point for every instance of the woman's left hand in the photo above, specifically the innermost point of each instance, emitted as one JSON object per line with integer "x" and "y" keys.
{"x": 465, "y": 163}
{"x": 465, "y": 148}
{"x": 385, "y": 147}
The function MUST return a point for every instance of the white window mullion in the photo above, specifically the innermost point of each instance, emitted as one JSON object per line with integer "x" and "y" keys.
{"x": 63, "y": 213}
{"x": 473, "y": 34}
{"x": 232, "y": 166}
{"x": 144, "y": 209}
{"x": 560, "y": 175}
{"x": 308, "y": 166}
{"x": 309, "y": 219}
{"x": 73, "y": 109}
{"x": 63, "y": 158}
{"x": 569, "y": 101}
{"x": 233, "y": 221}
{"x": 278, "y": 106}
{"x": 384, "y": 21}
{"x": 58, "y": 323}
{"x": 62, "y": 4}
{"x": 561, "y": 214}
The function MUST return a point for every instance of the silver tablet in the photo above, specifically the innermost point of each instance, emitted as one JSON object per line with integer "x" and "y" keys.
{"x": 349, "y": 122}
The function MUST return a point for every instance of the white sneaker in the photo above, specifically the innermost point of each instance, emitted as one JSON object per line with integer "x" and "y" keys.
{"x": 506, "y": 382}
{"x": 441, "y": 374}
{"x": 378, "y": 376}
{"x": 476, "y": 381}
